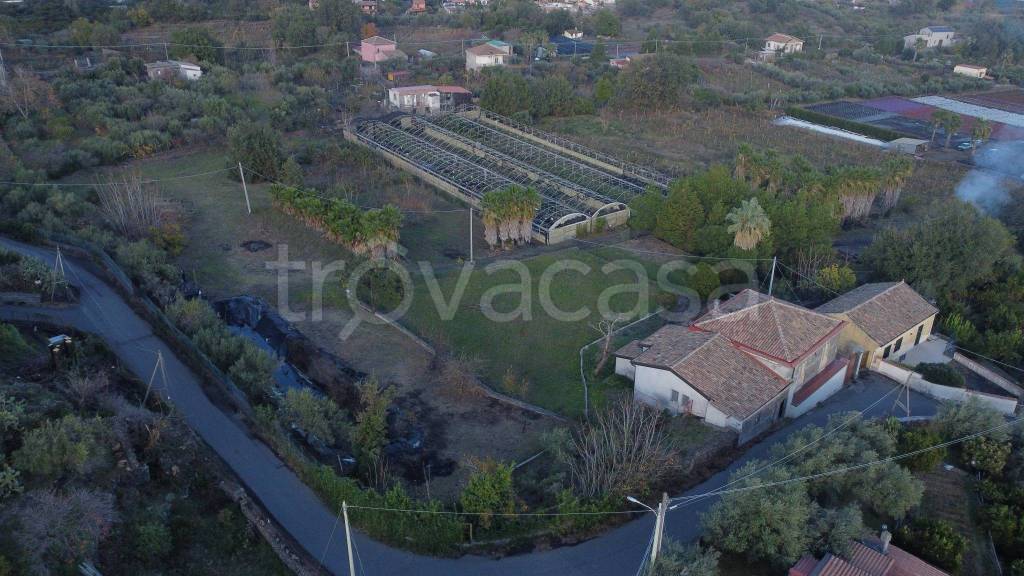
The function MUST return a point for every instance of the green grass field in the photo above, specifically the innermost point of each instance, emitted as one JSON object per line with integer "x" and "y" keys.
{"x": 543, "y": 350}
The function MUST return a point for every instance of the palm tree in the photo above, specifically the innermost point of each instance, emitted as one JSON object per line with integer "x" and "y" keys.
{"x": 489, "y": 205}
{"x": 919, "y": 45}
{"x": 749, "y": 224}
{"x": 937, "y": 121}
{"x": 895, "y": 172}
{"x": 981, "y": 132}
{"x": 527, "y": 203}
{"x": 951, "y": 124}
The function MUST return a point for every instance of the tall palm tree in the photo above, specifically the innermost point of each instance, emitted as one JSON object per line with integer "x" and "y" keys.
{"x": 950, "y": 125}
{"x": 895, "y": 172}
{"x": 490, "y": 207}
{"x": 936, "y": 121}
{"x": 748, "y": 223}
{"x": 528, "y": 202}
{"x": 981, "y": 132}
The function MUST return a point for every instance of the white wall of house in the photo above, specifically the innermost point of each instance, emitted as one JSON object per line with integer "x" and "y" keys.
{"x": 833, "y": 385}
{"x": 784, "y": 47}
{"x": 190, "y": 72}
{"x": 624, "y": 367}
{"x": 655, "y": 386}
{"x": 475, "y": 62}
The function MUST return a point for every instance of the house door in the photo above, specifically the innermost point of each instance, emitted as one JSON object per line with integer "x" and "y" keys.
{"x": 782, "y": 409}
{"x": 920, "y": 330}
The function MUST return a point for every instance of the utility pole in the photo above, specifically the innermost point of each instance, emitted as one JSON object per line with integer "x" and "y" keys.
{"x": 470, "y": 234}
{"x": 166, "y": 56}
{"x": 771, "y": 282}
{"x": 163, "y": 376}
{"x": 3, "y": 71}
{"x": 348, "y": 539}
{"x": 245, "y": 190}
{"x": 659, "y": 529}
{"x": 346, "y": 50}
{"x": 819, "y": 42}
{"x": 58, "y": 269}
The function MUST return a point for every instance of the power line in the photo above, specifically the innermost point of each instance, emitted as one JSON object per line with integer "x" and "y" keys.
{"x": 786, "y": 458}
{"x": 149, "y": 181}
{"x": 852, "y": 467}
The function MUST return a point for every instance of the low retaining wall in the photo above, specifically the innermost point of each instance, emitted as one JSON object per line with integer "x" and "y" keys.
{"x": 1002, "y": 404}
{"x": 988, "y": 374}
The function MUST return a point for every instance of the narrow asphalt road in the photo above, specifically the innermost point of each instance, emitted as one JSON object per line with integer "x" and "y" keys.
{"x": 312, "y": 524}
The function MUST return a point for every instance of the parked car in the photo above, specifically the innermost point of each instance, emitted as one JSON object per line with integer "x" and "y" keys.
{"x": 964, "y": 146}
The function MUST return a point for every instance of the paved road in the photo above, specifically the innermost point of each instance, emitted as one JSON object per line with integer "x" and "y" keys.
{"x": 305, "y": 517}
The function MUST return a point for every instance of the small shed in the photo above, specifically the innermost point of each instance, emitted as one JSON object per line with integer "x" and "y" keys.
{"x": 909, "y": 145}
{"x": 970, "y": 70}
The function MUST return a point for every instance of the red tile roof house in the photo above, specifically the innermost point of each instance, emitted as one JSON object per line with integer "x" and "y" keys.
{"x": 872, "y": 557}
{"x": 746, "y": 363}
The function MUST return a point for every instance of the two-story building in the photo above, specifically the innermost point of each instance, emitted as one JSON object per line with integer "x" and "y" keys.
{"x": 376, "y": 49}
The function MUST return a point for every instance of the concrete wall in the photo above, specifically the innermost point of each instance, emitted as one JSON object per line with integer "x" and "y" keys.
{"x": 1002, "y": 404}
{"x": 990, "y": 375}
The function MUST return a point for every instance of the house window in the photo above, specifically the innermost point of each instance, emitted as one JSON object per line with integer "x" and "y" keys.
{"x": 674, "y": 396}
{"x": 899, "y": 343}
{"x": 920, "y": 330}
{"x": 885, "y": 353}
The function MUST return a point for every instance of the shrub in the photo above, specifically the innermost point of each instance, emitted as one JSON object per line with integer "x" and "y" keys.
{"x": 12, "y": 345}
{"x": 943, "y": 374}
{"x": 913, "y": 439}
{"x": 70, "y": 444}
{"x": 316, "y": 415}
{"x": 489, "y": 492}
{"x": 371, "y": 431}
{"x": 152, "y": 541}
{"x": 986, "y": 455}
{"x": 253, "y": 371}
{"x": 935, "y": 541}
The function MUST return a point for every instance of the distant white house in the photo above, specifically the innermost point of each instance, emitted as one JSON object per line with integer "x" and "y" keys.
{"x": 493, "y": 53}
{"x": 171, "y": 69}
{"x": 780, "y": 44}
{"x": 783, "y": 44}
{"x": 970, "y": 70}
{"x": 933, "y": 37}
{"x": 573, "y": 34}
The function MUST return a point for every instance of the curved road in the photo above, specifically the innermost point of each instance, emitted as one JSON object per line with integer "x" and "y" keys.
{"x": 299, "y": 511}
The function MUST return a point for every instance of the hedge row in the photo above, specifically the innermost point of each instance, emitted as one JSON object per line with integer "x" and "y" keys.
{"x": 843, "y": 124}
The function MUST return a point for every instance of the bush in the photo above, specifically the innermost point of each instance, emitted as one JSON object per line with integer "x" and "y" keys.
{"x": 986, "y": 455}
{"x": 935, "y": 541}
{"x": 913, "y": 439}
{"x": 316, "y": 415}
{"x": 489, "y": 492}
{"x": 151, "y": 541}
{"x": 70, "y": 444}
{"x": 943, "y": 374}
{"x": 12, "y": 345}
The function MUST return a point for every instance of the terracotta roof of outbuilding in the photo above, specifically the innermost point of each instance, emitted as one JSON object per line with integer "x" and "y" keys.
{"x": 769, "y": 326}
{"x": 486, "y": 50}
{"x": 731, "y": 380}
{"x": 883, "y": 310}
{"x": 782, "y": 38}
{"x": 379, "y": 41}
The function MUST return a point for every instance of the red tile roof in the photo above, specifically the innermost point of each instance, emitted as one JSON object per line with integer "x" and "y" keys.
{"x": 769, "y": 326}
{"x": 733, "y": 381}
{"x": 866, "y": 560}
{"x": 782, "y": 38}
{"x": 812, "y": 385}
{"x": 883, "y": 310}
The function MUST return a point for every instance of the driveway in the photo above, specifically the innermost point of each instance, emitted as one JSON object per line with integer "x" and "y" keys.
{"x": 299, "y": 511}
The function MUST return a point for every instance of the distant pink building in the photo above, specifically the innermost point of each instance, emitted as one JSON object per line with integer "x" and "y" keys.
{"x": 377, "y": 49}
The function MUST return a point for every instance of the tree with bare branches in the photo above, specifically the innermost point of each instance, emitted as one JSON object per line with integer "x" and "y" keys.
{"x": 130, "y": 206}
{"x": 606, "y": 328}
{"x": 623, "y": 450}
{"x": 27, "y": 93}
